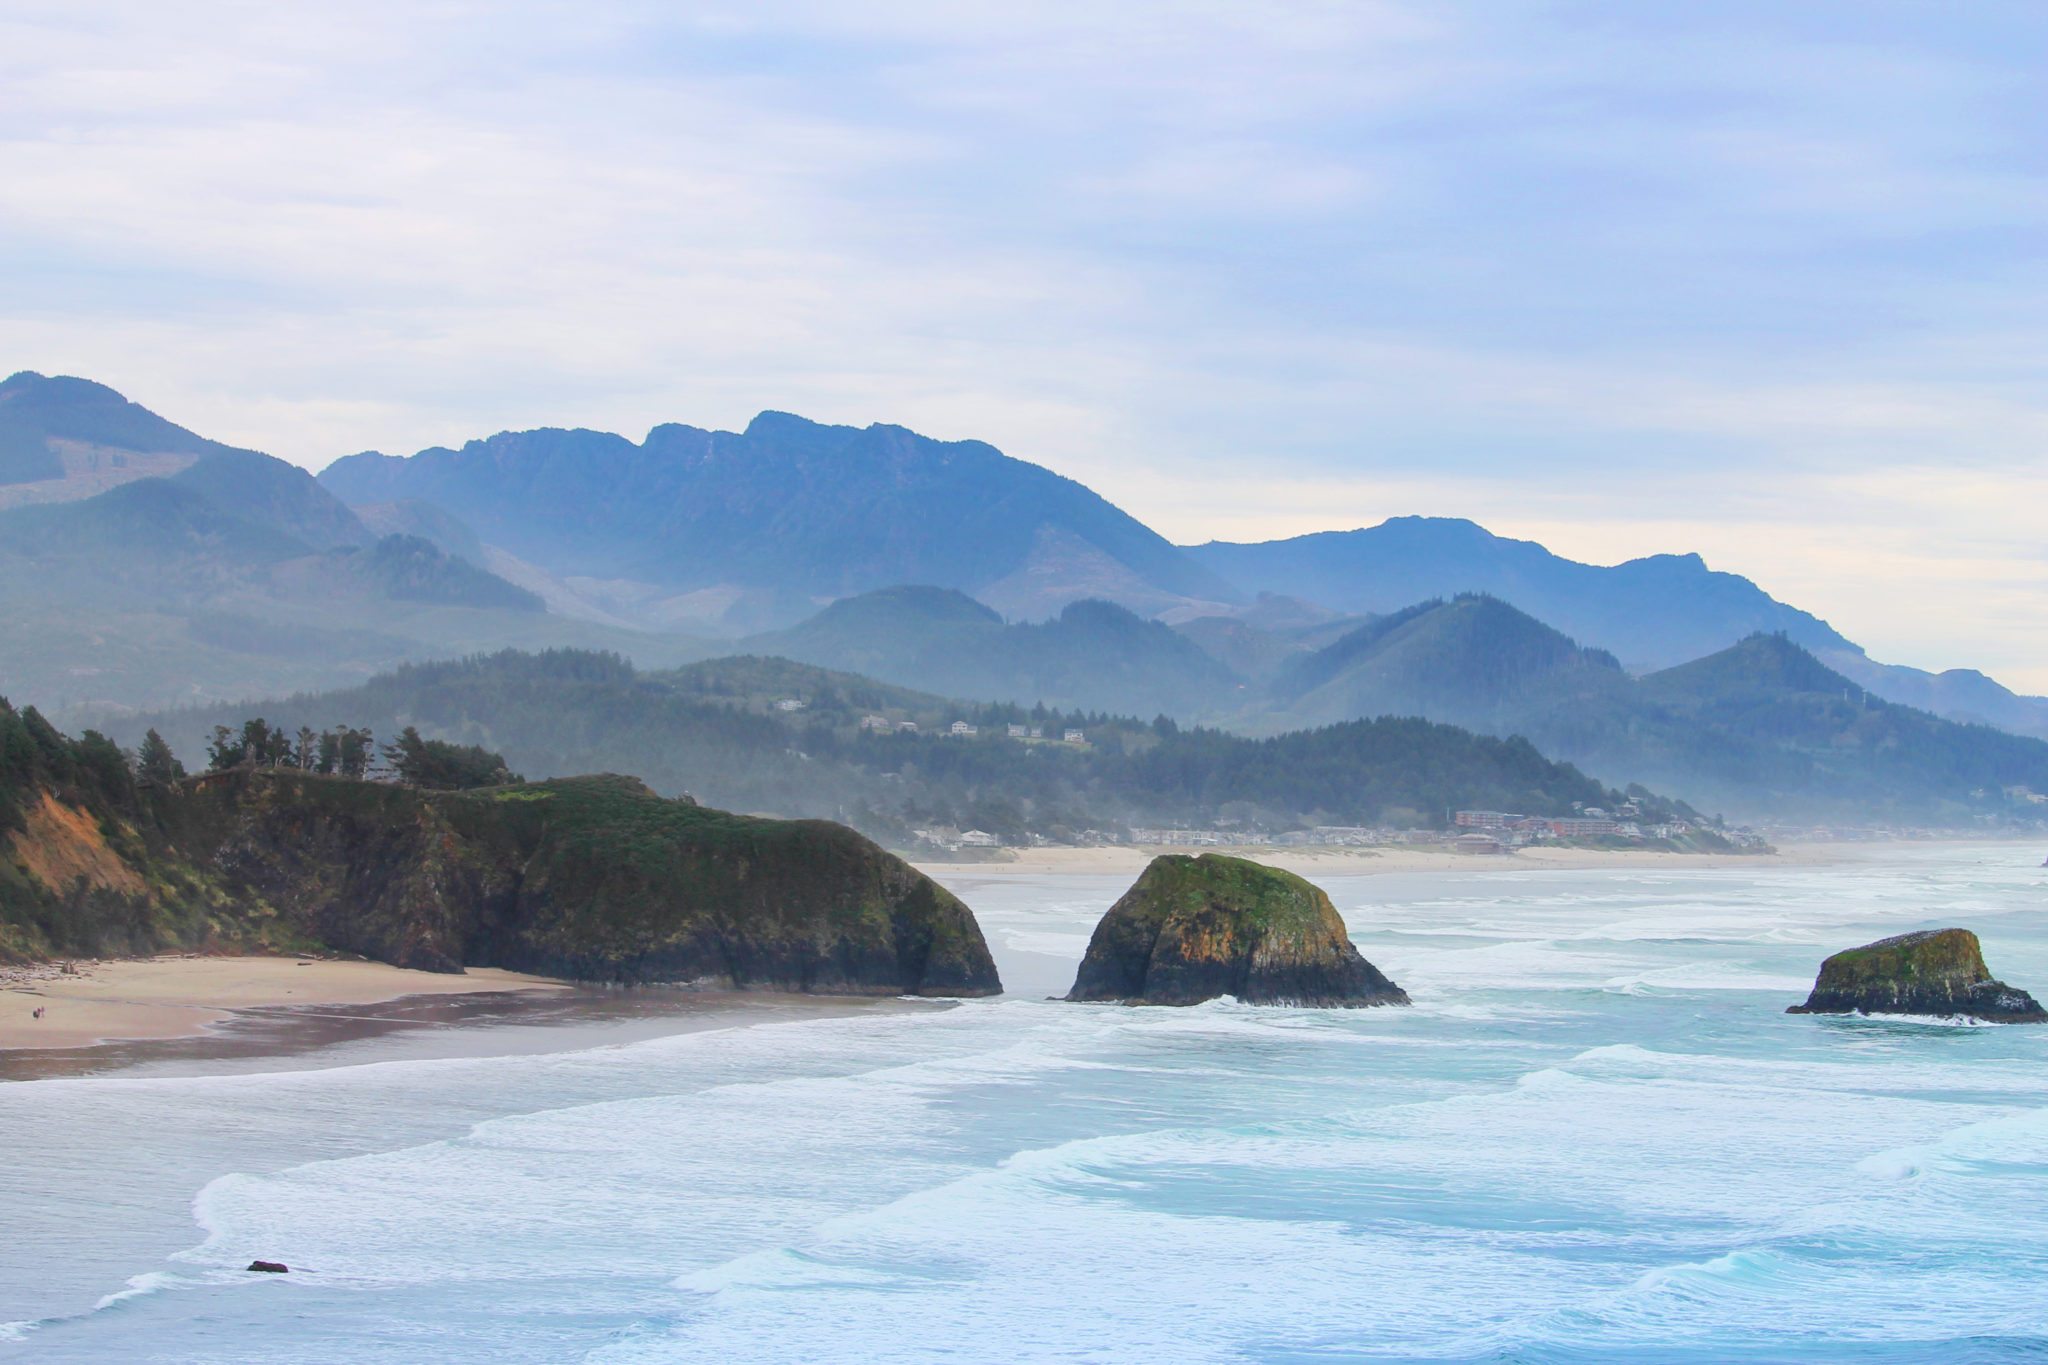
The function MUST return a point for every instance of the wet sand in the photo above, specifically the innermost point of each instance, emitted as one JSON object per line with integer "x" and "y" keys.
{"x": 488, "y": 1023}
{"x": 87, "y": 1002}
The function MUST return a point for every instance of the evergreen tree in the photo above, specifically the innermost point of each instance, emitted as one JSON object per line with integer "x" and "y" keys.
{"x": 155, "y": 762}
{"x": 357, "y": 748}
{"x": 226, "y": 751}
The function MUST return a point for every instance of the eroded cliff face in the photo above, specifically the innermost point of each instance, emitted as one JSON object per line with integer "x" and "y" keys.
{"x": 592, "y": 878}
{"x": 1192, "y": 929}
{"x": 1934, "y": 972}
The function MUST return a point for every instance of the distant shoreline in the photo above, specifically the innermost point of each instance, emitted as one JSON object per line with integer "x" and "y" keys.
{"x": 1129, "y": 860}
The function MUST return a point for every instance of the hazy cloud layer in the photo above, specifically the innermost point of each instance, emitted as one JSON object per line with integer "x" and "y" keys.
{"x": 1622, "y": 277}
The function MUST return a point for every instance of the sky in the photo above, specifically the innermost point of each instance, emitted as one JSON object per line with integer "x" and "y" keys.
{"x": 1761, "y": 281}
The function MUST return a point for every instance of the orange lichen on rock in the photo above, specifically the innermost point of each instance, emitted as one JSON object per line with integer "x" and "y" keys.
{"x": 62, "y": 843}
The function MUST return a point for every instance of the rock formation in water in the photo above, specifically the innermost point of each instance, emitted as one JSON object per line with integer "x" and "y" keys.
{"x": 1934, "y": 972}
{"x": 593, "y": 878}
{"x": 1192, "y": 929}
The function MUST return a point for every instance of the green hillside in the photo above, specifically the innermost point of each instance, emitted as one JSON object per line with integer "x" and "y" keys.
{"x": 1760, "y": 728}
{"x": 789, "y": 739}
{"x": 1094, "y": 656}
{"x": 595, "y": 878}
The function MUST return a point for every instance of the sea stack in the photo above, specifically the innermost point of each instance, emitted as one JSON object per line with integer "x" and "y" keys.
{"x": 1935, "y": 972}
{"x": 1192, "y": 929}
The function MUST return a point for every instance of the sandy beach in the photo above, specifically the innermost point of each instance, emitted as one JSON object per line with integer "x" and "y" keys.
{"x": 181, "y": 996}
{"x": 185, "y": 996}
{"x": 1309, "y": 862}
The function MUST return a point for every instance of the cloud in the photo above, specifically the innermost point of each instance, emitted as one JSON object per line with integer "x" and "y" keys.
{"x": 1761, "y": 281}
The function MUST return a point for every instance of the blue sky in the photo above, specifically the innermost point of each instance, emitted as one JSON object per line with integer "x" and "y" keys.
{"x": 1762, "y": 281}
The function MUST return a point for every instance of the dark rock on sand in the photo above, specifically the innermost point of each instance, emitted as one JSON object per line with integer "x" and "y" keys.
{"x": 1192, "y": 929}
{"x": 1934, "y": 972}
{"x": 270, "y": 1267}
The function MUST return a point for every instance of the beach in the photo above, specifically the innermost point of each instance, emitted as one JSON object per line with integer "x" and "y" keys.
{"x": 91, "y": 1003}
{"x": 87, "y": 1002}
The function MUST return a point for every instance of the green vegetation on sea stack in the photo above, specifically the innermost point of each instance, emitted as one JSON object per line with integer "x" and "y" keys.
{"x": 1192, "y": 929}
{"x": 1935, "y": 971}
{"x": 595, "y": 878}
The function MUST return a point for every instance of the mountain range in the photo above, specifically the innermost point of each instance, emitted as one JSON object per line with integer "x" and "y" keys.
{"x": 142, "y": 564}
{"x": 714, "y": 530}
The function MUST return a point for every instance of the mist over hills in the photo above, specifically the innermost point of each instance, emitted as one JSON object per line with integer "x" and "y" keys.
{"x": 1762, "y": 728}
{"x": 1095, "y": 656}
{"x": 769, "y": 523}
{"x": 141, "y": 564}
{"x": 1651, "y": 613}
{"x": 777, "y": 737}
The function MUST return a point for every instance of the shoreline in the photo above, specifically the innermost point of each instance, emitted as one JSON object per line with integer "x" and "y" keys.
{"x": 92, "y": 1002}
{"x": 1129, "y": 860}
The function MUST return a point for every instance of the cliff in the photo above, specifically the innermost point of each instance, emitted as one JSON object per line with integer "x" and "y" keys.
{"x": 1935, "y": 972}
{"x": 594, "y": 878}
{"x": 1191, "y": 929}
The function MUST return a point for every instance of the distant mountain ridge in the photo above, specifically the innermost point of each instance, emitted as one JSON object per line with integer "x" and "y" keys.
{"x": 141, "y": 563}
{"x": 1095, "y": 655}
{"x": 213, "y": 567}
{"x": 1760, "y": 728}
{"x": 1650, "y": 613}
{"x": 789, "y": 506}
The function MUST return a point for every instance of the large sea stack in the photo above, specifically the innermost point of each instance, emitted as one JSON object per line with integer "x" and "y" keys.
{"x": 1192, "y": 929}
{"x": 1935, "y": 972}
{"x": 593, "y": 878}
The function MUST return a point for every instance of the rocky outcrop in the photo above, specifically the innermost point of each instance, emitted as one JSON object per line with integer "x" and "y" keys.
{"x": 1192, "y": 929}
{"x": 1934, "y": 972}
{"x": 592, "y": 878}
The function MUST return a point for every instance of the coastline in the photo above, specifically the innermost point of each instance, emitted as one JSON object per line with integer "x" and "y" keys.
{"x": 1128, "y": 860}
{"x": 185, "y": 995}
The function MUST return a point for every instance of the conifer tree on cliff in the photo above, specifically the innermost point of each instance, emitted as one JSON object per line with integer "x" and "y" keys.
{"x": 154, "y": 761}
{"x": 225, "y": 751}
{"x": 357, "y": 748}
{"x": 329, "y": 757}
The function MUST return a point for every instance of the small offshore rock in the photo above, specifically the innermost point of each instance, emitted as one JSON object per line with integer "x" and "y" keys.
{"x": 270, "y": 1267}
{"x": 1938, "y": 972}
{"x": 1192, "y": 929}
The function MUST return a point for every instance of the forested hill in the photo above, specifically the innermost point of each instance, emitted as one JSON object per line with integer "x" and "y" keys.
{"x": 777, "y": 737}
{"x": 1095, "y": 655}
{"x": 1760, "y": 729}
{"x": 592, "y": 878}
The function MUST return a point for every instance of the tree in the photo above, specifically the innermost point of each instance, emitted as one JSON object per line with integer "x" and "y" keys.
{"x": 155, "y": 762}
{"x": 226, "y": 751}
{"x": 330, "y": 753}
{"x": 307, "y": 753}
{"x": 441, "y": 766}
{"x": 356, "y": 749}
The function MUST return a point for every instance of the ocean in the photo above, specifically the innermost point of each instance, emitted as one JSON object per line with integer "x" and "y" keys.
{"x": 1596, "y": 1137}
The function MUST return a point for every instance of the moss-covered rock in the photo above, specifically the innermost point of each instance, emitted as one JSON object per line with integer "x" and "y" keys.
{"x": 594, "y": 878}
{"x": 1935, "y": 972}
{"x": 1192, "y": 929}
